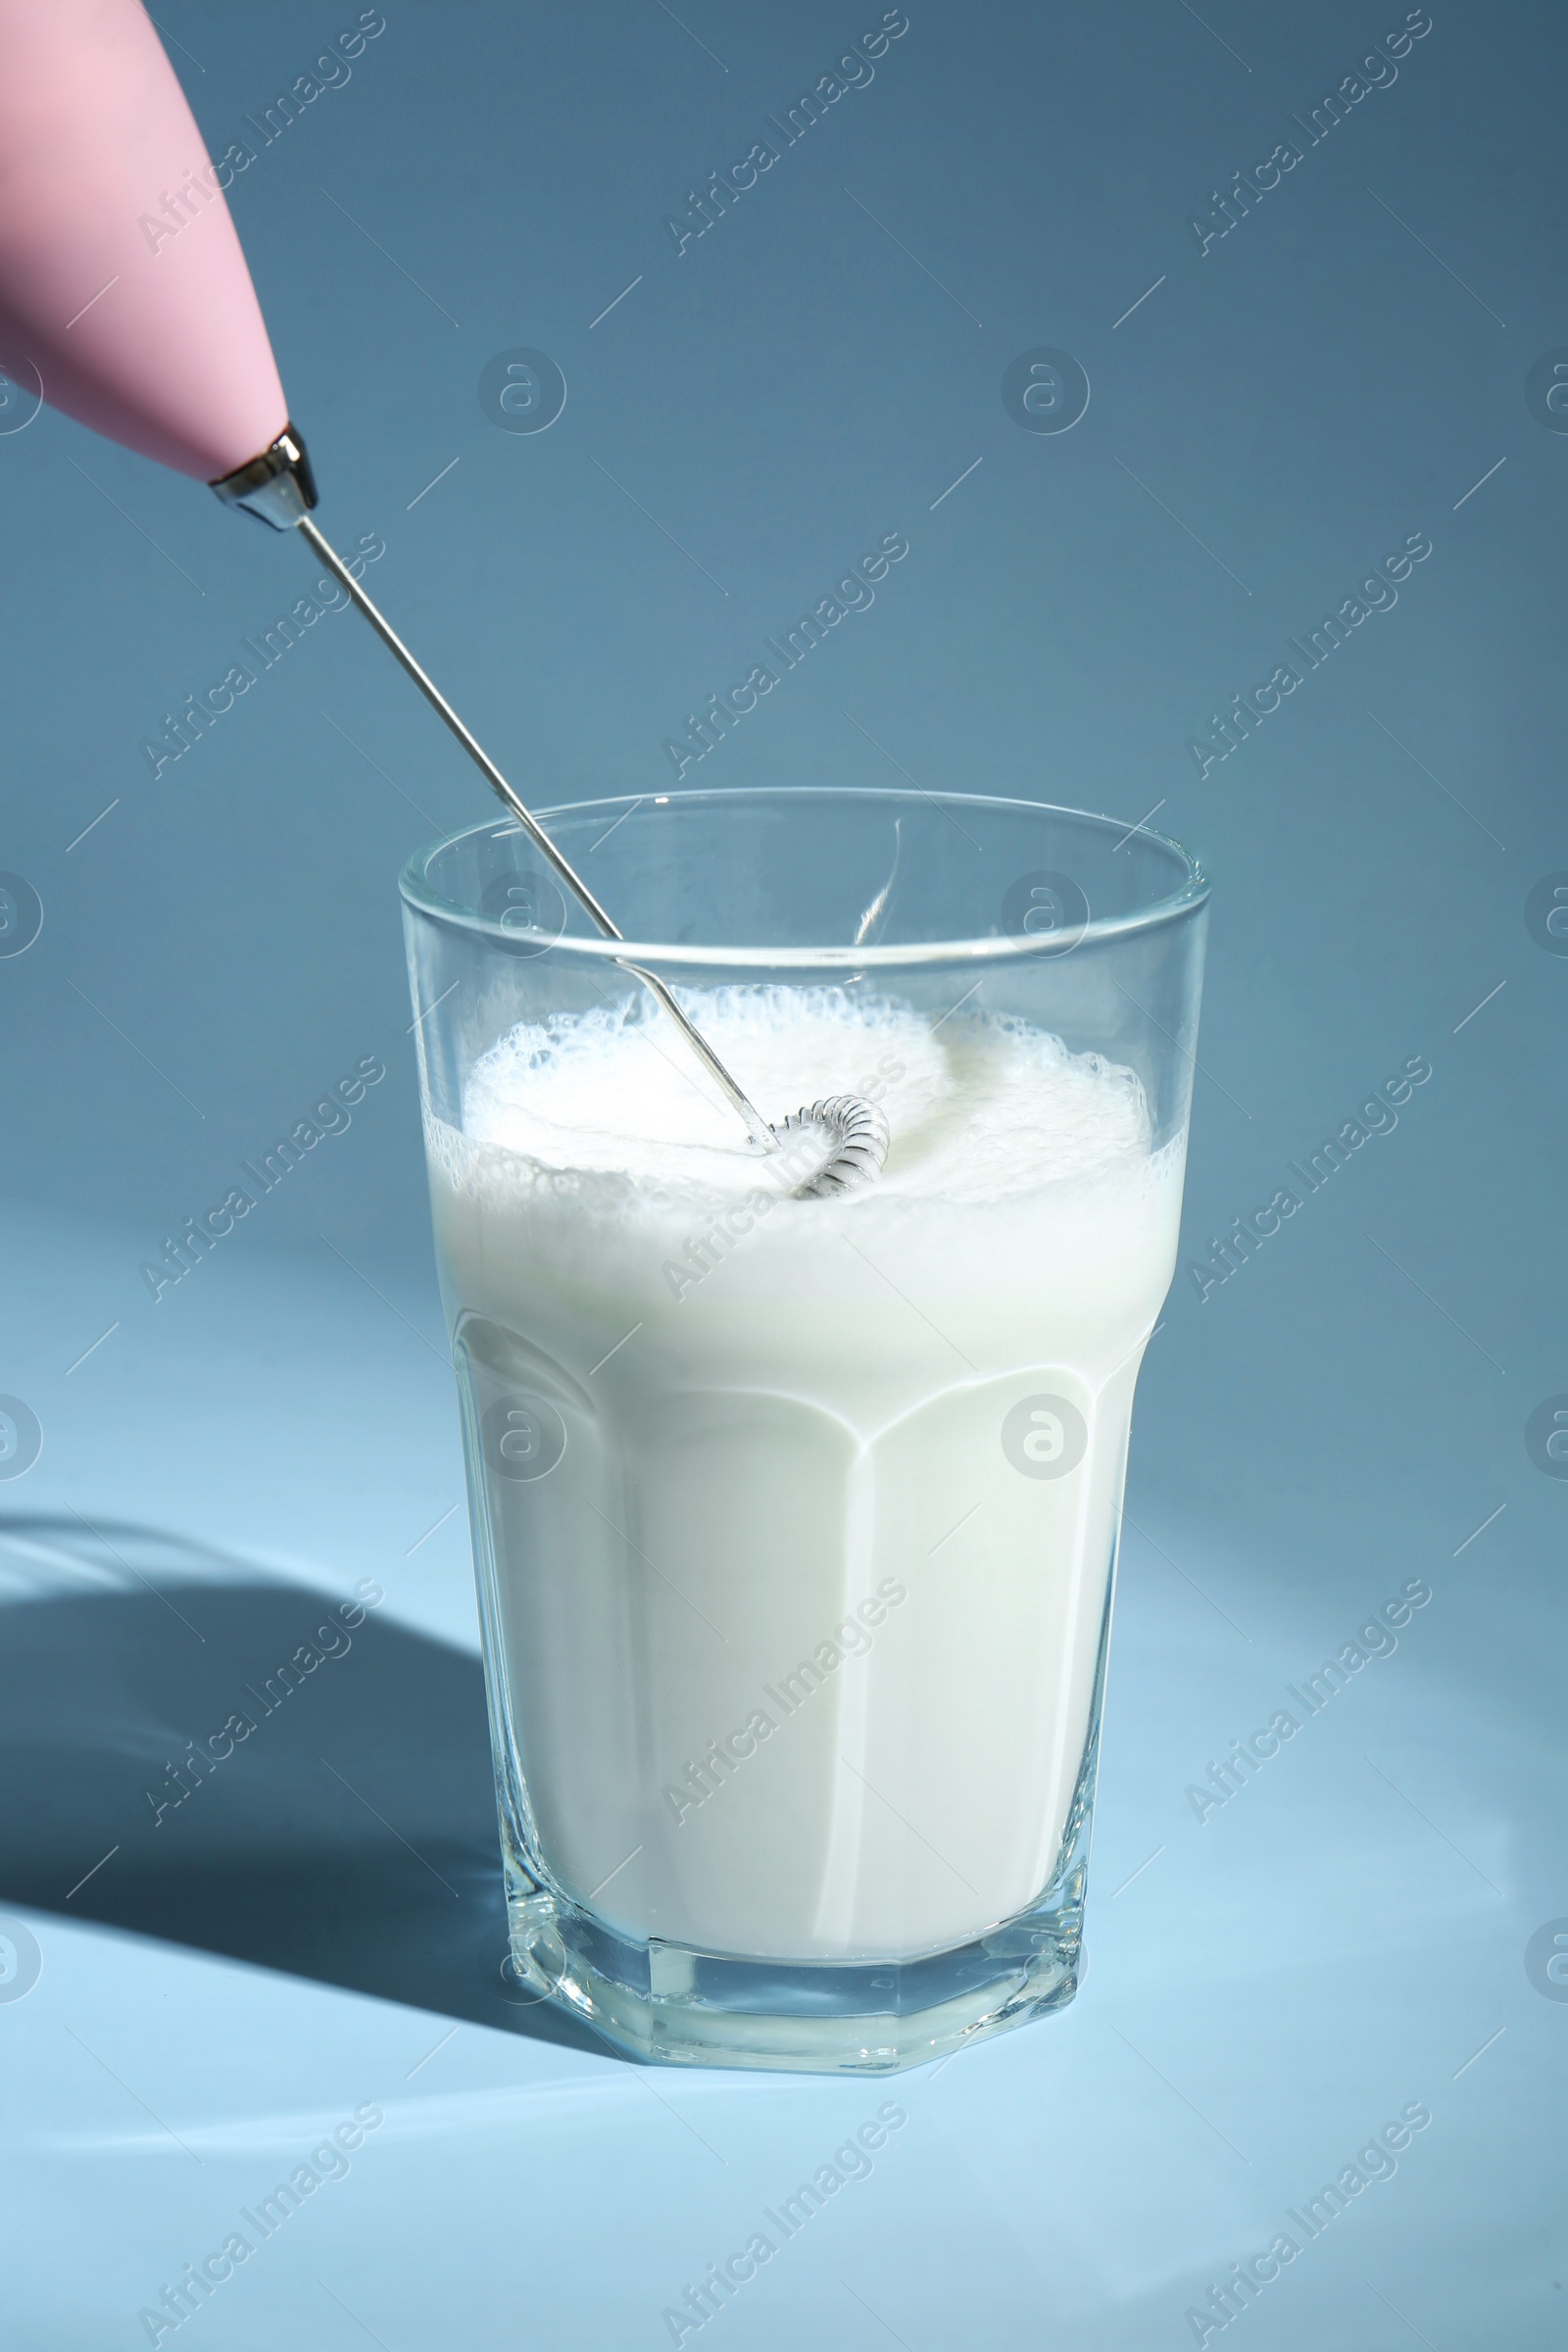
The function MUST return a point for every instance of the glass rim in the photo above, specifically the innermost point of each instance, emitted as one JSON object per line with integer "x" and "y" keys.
{"x": 416, "y": 892}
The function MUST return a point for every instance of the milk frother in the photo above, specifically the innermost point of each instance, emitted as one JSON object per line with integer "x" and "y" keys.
{"x": 125, "y": 301}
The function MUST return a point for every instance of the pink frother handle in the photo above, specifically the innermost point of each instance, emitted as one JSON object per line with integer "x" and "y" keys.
{"x": 156, "y": 340}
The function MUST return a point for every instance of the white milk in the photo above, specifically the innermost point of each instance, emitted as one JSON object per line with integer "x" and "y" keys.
{"x": 795, "y": 1637}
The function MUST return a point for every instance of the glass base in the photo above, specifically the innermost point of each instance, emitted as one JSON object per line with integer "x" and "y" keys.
{"x": 664, "y": 2002}
{"x": 669, "y": 2004}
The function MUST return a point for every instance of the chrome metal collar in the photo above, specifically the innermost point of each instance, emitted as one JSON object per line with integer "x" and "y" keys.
{"x": 278, "y": 487}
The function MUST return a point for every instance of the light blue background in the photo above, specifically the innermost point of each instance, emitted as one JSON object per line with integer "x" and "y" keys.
{"x": 1280, "y": 413}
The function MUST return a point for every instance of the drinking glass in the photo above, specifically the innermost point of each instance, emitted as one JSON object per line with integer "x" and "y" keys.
{"x": 795, "y": 1520}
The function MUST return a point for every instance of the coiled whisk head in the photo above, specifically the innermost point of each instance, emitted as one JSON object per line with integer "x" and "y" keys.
{"x": 852, "y": 1134}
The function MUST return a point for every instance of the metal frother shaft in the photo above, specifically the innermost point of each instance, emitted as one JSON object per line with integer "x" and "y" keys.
{"x": 756, "y": 1127}
{"x": 278, "y": 488}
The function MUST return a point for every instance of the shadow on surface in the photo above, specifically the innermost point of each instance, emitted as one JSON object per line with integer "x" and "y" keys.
{"x": 349, "y": 1837}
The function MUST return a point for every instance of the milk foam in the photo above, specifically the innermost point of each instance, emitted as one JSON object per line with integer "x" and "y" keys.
{"x": 985, "y": 1110}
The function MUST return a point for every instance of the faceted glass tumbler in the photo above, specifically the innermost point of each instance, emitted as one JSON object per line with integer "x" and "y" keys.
{"x": 795, "y": 1520}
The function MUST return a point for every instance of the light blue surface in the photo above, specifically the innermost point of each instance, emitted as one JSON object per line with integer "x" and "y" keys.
{"x": 1269, "y": 1987}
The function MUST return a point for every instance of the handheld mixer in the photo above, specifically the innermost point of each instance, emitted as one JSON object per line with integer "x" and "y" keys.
{"x": 125, "y": 301}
